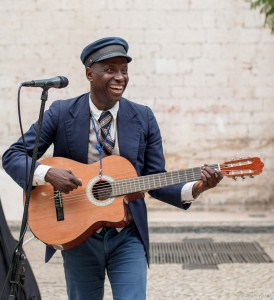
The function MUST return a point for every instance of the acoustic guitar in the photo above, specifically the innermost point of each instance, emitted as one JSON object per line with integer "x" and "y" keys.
{"x": 65, "y": 220}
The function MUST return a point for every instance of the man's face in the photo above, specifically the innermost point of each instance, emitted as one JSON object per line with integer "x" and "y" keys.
{"x": 108, "y": 80}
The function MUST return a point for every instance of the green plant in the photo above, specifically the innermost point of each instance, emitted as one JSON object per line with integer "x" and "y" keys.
{"x": 266, "y": 7}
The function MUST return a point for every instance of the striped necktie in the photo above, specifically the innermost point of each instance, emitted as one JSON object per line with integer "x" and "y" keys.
{"x": 104, "y": 136}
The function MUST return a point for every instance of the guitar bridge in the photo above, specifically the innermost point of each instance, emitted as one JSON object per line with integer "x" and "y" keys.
{"x": 58, "y": 205}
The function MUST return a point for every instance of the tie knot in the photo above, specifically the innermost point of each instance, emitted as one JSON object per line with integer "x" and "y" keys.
{"x": 105, "y": 138}
{"x": 105, "y": 119}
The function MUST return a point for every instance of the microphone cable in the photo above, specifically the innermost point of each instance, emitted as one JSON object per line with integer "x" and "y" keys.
{"x": 23, "y": 229}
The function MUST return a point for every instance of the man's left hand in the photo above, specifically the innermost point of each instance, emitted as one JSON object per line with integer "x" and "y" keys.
{"x": 209, "y": 179}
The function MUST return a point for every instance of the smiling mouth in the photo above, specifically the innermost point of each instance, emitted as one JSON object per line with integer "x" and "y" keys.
{"x": 116, "y": 88}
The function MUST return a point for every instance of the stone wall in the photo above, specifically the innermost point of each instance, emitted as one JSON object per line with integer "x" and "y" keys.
{"x": 204, "y": 67}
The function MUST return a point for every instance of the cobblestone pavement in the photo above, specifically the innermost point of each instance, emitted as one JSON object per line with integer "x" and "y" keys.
{"x": 241, "y": 281}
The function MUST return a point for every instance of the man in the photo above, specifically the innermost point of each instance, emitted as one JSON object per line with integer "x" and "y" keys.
{"x": 79, "y": 132}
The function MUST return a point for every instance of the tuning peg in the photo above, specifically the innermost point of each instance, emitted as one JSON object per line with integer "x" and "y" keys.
{"x": 251, "y": 176}
{"x": 234, "y": 178}
{"x": 243, "y": 177}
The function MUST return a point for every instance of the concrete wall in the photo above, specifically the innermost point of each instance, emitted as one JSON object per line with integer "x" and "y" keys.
{"x": 204, "y": 67}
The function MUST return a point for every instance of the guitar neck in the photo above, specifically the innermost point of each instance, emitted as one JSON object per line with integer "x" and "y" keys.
{"x": 156, "y": 181}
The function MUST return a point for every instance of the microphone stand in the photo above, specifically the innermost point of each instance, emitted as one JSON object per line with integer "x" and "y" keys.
{"x": 18, "y": 271}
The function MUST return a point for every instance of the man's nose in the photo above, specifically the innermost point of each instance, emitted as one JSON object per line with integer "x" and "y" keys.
{"x": 118, "y": 75}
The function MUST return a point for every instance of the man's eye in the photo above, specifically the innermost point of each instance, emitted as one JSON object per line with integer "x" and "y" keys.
{"x": 124, "y": 71}
{"x": 110, "y": 70}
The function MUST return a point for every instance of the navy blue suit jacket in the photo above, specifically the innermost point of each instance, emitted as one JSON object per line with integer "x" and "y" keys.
{"x": 66, "y": 124}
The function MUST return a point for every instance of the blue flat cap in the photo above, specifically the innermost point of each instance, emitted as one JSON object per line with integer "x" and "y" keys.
{"x": 103, "y": 49}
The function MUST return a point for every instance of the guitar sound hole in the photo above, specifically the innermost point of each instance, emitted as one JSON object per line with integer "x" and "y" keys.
{"x": 101, "y": 190}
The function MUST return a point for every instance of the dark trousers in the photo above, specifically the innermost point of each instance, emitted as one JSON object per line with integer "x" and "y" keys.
{"x": 119, "y": 254}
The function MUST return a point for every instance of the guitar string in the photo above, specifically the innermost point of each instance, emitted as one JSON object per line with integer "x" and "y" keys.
{"x": 105, "y": 188}
{"x": 116, "y": 185}
{"x": 122, "y": 184}
{"x": 127, "y": 184}
{"x": 69, "y": 198}
{"x": 121, "y": 189}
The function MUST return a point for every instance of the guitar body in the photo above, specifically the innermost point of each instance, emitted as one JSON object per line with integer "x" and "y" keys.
{"x": 81, "y": 216}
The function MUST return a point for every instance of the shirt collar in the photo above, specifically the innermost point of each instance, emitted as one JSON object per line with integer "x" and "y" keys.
{"x": 96, "y": 113}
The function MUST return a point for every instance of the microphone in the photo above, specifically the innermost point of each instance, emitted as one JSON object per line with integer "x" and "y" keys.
{"x": 57, "y": 82}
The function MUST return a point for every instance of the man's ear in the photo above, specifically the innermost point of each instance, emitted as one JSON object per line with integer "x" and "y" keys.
{"x": 89, "y": 74}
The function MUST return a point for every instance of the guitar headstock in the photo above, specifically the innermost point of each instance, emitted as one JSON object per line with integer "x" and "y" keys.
{"x": 242, "y": 167}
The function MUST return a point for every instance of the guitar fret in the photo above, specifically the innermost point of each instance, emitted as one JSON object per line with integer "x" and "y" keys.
{"x": 154, "y": 181}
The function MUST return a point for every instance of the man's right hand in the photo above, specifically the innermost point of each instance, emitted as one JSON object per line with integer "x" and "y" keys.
{"x": 63, "y": 180}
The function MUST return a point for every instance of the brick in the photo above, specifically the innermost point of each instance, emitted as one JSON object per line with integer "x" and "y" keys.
{"x": 119, "y": 5}
{"x": 191, "y": 35}
{"x": 248, "y": 93}
{"x": 138, "y": 66}
{"x": 132, "y": 19}
{"x": 34, "y": 21}
{"x": 228, "y": 19}
{"x": 264, "y": 92}
{"x": 250, "y": 36}
{"x": 155, "y": 19}
{"x": 161, "y": 5}
{"x": 182, "y": 92}
{"x": 166, "y": 66}
{"x": 215, "y": 92}
{"x": 209, "y": 19}
{"x": 154, "y": 36}
{"x": 176, "y": 19}
{"x": 67, "y": 5}
{"x": 68, "y": 20}
{"x": 162, "y": 80}
{"x": 179, "y": 5}
{"x": 219, "y": 36}
{"x": 207, "y": 4}
{"x": 105, "y": 20}
{"x": 185, "y": 67}
{"x": 253, "y": 19}
{"x": 150, "y": 51}
{"x": 91, "y": 5}
{"x": 143, "y": 5}
{"x": 211, "y": 51}
{"x": 262, "y": 50}
{"x": 195, "y": 79}
{"x": 194, "y": 19}
{"x": 7, "y": 6}
{"x": 192, "y": 50}
{"x": 206, "y": 65}
{"x": 266, "y": 38}
{"x": 138, "y": 79}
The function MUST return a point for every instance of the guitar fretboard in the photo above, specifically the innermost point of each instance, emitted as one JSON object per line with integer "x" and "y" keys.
{"x": 155, "y": 181}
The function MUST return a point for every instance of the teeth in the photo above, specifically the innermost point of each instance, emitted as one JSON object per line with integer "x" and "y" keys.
{"x": 119, "y": 87}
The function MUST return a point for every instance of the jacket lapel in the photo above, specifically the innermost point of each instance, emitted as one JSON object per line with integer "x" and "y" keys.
{"x": 128, "y": 131}
{"x": 77, "y": 129}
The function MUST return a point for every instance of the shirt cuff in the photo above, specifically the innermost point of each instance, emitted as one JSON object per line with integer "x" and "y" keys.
{"x": 186, "y": 192}
{"x": 39, "y": 175}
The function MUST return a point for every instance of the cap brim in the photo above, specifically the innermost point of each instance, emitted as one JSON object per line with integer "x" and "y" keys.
{"x": 113, "y": 54}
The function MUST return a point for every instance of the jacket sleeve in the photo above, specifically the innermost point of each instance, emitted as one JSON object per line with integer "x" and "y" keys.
{"x": 14, "y": 160}
{"x": 155, "y": 163}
